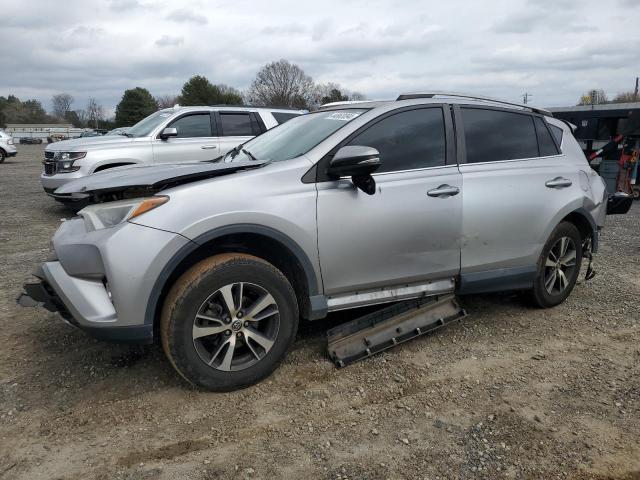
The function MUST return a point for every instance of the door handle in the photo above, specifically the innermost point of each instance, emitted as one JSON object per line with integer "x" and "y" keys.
{"x": 443, "y": 191}
{"x": 208, "y": 147}
{"x": 559, "y": 182}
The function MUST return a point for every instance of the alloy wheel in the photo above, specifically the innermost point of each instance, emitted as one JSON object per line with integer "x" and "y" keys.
{"x": 559, "y": 266}
{"x": 236, "y": 326}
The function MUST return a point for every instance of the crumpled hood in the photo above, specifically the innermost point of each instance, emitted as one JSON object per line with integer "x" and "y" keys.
{"x": 85, "y": 142}
{"x": 152, "y": 177}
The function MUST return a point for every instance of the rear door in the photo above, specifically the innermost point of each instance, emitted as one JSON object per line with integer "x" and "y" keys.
{"x": 510, "y": 164}
{"x": 236, "y": 127}
{"x": 196, "y": 140}
{"x": 406, "y": 232}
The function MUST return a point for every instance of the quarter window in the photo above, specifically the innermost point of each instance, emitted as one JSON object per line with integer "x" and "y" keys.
{"x": 557, "y": 134}
{"x": 282, "y": 117}
{"x": 196, "y": 125}
{"x": 407, "y": 140}
{"x": 493, "y": 135}
{"x": 545, "y": 142}
{"x": 236, "y": 125}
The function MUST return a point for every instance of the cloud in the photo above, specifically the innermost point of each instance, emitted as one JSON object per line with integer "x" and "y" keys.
{"x": 185, "y": 16}
{"x": 380, "y": 48}
{"x": 124, "y": 5}
{"x": 168, "y": 41}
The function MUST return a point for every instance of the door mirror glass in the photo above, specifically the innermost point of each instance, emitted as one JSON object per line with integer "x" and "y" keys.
{"x": 169, "y": 132}
{"x": 357, "y": 162}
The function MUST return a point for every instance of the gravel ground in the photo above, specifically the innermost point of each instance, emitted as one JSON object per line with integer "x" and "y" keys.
{"x": 509, "y": 392}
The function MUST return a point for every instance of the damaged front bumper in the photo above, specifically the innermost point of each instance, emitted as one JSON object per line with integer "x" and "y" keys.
{"x": 101, "y": 281}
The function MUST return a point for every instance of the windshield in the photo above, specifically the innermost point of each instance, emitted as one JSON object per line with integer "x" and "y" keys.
{"x": 293, "y": 138}
{"x": 145, "y": 126}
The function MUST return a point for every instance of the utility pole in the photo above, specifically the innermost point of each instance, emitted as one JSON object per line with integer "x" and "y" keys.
{"x": 526, "y": 97}
{"x": 635, "y": 92}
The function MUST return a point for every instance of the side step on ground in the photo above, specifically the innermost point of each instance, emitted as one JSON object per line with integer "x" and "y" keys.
{"x": 390, "y": 326}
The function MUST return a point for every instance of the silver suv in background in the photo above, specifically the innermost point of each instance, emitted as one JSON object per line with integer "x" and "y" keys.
{"x": 353, "y": 205}
{"x": 7, "y": 148}
{"x": 172, "y": 135}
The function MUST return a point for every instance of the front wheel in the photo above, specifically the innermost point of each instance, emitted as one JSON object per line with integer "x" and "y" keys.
{"x": 2, "y": 155}
{"x": 558, "y": 266}
{"x": 228, "y": 321}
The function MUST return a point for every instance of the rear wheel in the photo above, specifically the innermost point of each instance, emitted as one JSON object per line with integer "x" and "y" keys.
{"x": 228, "y": 321}
{"x": 558, "y": 266}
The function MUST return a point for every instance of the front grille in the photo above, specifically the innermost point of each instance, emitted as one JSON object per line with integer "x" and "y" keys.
{"x": 49, "y": 168}
{"x": 48, "y": 155}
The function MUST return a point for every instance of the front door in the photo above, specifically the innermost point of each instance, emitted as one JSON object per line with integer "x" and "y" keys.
{"x": 409, "y": 230}
{"x": 195, "y": 141}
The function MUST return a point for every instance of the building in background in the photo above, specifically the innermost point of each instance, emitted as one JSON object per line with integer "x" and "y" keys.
{"x": 44, "y": 131}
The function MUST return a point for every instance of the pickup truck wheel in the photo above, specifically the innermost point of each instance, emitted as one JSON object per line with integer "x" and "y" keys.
{"x": 558, "y": 266}
{"x": 2, "y": 155}
{"x": 228, "y": 321}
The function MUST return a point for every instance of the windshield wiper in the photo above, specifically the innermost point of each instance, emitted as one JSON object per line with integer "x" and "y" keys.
{"x": 249, "y": 154}
{"x": 126, "y": 134}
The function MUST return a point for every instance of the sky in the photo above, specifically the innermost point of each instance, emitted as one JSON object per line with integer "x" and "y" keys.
{"x": 552, "y": 49}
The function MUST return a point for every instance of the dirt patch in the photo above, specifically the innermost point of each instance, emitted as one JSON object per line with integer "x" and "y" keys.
{"x": 510, "y": 392}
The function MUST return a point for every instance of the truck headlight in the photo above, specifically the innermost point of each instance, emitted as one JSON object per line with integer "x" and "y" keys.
{"x": 106, "y": 215}
{"x": 66, "y": 159}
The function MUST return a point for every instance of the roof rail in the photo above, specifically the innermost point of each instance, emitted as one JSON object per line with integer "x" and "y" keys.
{"x": 409, "y": 96}
{"x": 256, "y": 106}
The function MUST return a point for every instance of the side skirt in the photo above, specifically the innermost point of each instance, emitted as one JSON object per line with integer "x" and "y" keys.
{"x": 516, "y": 278}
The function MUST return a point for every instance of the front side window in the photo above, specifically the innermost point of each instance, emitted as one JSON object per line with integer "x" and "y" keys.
{"x": 236, "y": 125}
{"x": 192, "y": 126}
{"x": 295, "y": 137}
{"x": 493, "y": 135}
{"x": 407, "y": 140}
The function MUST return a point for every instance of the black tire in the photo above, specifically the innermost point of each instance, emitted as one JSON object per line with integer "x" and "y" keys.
{"x": 541, "y": 295}
{"x": 2, "y": 156}
{"x": 194, "y": 291}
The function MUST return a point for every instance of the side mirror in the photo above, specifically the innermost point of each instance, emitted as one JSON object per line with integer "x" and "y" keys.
{"x": 168, "y": 132}
{"x": 357, "y": 162}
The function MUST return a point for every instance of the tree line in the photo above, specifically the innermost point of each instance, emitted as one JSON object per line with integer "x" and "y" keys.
{"x": 598, "y": 96}
{"x": 277, "y": 84}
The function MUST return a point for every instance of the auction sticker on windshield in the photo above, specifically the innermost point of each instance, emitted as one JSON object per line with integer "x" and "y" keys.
{"x": 342, "y": 116}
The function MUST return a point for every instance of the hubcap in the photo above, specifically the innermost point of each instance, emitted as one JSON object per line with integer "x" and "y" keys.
{"x": 559, "y": 266}
{"x": 236, "y": 326}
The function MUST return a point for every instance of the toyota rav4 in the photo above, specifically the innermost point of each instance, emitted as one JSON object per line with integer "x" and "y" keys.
{"x": 356, "y": 204}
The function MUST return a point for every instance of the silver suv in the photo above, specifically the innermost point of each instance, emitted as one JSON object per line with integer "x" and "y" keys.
{"x": 171, "y": 135}
{"x": 7, "y": 148}
{"x": 353, "y": 205}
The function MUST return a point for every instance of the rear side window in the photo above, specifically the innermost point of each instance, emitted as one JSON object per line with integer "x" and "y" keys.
{"x": 493, "y": 135}
{"x": 282, "y": 117}
{"x": 547, "y": 147}
{"x": 196, "y": 125}
{"x": 557, "y": 134}
{"x": 236, "y": 125}
{"x": 407, "y": 140}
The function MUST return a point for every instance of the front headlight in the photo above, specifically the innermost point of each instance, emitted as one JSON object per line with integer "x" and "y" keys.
{"x": 106, "y": 215}
{"x": 66, "y": 159}
{"x": 10, "y": 141}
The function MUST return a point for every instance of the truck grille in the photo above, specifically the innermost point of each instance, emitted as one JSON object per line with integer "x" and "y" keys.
{"x": 48, "y": 155}
{"x": 49, "y": 167}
